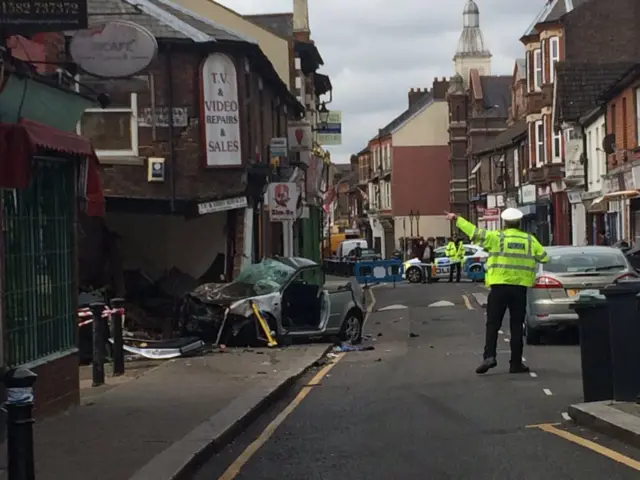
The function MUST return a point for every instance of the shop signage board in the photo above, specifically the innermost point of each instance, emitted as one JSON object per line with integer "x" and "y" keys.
{"x": 26, "y": 16}
{"x": 220, "y": 112}
{"x": 113, "y": 49}
{"x": 299, "y": 136}
{"x": 282, "y": 201}
{"x": 331, "y": 132}
{"x": 222, "y": 205}
{"x": 527, "y": 194}
{"x": 278, "y": 147}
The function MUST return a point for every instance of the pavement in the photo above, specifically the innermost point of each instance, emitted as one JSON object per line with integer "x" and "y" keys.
{"x": 413, "y": 407}
{"x": 155, "y": 422}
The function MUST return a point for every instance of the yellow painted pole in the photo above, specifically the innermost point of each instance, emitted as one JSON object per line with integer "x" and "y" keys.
{"x": 271, "y": 342}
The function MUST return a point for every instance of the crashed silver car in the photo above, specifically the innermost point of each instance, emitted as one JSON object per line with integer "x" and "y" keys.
{"x": 289, "y": 293}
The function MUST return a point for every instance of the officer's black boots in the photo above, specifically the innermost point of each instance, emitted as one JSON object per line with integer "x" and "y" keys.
{"x": 519, "y": 368}
{"x": 486, "y": 365}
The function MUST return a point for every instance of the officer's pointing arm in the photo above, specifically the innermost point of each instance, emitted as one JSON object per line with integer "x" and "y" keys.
{"x": 479, "y": 236}
{"x": 539, "y": 253}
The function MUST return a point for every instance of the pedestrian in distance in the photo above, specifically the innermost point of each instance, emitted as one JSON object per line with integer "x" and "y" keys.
{"x": 452, "y": 251}
{"x": 511, "y": 270}
{"x": 428, "y": 258}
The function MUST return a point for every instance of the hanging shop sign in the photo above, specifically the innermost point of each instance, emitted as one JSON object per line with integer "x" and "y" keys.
{"x": 220, "y": 112}
{"x": 282, "y": 201}
{"x": 300, "y": 136}
{"x": 114, "y": 49}
{"x": 26, "y": 16}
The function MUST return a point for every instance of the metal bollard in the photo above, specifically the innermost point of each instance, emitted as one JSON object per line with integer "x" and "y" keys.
{"x": 117, "y": 318}
{"x": 99, "y": 350}
{"x": 19, "y": 407}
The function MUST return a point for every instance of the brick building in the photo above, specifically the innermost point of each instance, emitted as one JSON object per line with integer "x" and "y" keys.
{"x": 196, "y": 216}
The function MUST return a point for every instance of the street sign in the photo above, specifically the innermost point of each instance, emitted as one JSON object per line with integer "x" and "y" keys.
{"x": 331, "y": 132}
{"x": 42, "y": 15}
{"x": 279, "y": 147}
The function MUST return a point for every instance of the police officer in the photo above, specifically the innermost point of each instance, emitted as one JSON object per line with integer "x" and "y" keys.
{"x": 451, "y": 251}
{"x": 511, "y": 269}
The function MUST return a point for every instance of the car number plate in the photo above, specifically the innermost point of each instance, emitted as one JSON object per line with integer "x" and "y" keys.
{"x": 572, "y": 293}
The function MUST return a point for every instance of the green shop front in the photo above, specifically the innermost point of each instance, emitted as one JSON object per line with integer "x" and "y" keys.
{"x": 46, "y": 175}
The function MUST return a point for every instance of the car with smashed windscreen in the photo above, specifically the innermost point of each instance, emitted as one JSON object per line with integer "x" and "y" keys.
{"x": 289, "y": 293}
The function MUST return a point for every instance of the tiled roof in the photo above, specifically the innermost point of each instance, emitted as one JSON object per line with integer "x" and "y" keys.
{"x": 580, "y": 84}
{"x": 425, "y": 98}
{"x": 552, "y": 11}
{"x": 496, "y": 95}
{"x": 503, "y": 139}
{"x": 279, "y": 23}
{"x": 164, "y": 19}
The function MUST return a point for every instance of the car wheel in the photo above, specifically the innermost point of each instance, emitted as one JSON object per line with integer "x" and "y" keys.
{"x": 351, "y": 330}
{"x": 414, "y": 275}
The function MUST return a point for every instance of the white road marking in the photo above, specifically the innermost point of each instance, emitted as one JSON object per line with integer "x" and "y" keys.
{"x": 500, "y": 332}
{"x": 524, "y": 359}
{"x": 533, "y": 374}
{"x": 507, "y": 340}
{"x": 566, "y": 416}
{"x": 393, "y": 307}
{"x": 547, "y": 391}
{"x": 442, "y": 303}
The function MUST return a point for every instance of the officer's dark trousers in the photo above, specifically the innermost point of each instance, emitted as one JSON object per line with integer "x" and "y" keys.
{"x": 502, "y": 297}
{"x": 457, "y": 268}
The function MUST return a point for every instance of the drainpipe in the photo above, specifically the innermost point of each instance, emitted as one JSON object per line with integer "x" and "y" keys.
{"x": 172, "y": 146}
{"x": 585, "y": 172}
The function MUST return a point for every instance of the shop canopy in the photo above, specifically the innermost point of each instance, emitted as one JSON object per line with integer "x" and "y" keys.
{"x": 21, "y": 142}
{"x": 600, "y": 204}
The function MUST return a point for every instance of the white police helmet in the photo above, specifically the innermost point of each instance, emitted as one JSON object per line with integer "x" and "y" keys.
{"x": 511, "y": 215}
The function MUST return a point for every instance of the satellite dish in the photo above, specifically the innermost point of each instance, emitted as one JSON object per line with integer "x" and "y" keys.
{"x": 609, "y": 144}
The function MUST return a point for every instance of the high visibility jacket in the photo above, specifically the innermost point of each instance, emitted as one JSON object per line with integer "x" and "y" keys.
{"x": 513, "y": 254}
{"x": 460, "y": 253}
{"x": 451, "y": 251}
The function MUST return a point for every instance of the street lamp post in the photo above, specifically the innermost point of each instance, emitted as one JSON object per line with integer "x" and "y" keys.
{"x": 411, "y": 217}
{"x": 417, "y": 223}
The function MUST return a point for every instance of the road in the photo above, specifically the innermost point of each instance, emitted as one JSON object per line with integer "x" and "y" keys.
{"x": 414, "y": 408}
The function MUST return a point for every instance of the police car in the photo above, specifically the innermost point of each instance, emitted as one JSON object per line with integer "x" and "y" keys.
{"x": 413, "y": 270}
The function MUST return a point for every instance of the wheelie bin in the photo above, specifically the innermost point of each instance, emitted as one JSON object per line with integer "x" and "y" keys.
{"x": 624, "y": 334}
{"x": 595, "y": 347}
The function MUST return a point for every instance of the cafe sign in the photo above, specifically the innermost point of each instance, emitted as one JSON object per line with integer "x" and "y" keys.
{"x": 30, "y": 16}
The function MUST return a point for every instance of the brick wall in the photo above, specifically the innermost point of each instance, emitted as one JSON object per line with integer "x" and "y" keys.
{"x": 623, "y": 126}
{"x": 259, "y": 121}
{"x": 58, "y": 385}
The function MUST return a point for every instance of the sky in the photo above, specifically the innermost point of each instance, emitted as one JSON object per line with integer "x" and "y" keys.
{"x": 375, "y": 51}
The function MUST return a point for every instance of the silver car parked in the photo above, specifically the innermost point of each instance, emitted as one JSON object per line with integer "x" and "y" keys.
{"x": 569, "y": 271}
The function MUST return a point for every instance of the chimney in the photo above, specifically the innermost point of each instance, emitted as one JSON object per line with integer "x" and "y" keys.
{"x": 440, "y": 88}
{"x": 301, "y": 20}
{"x": 414, "y": 95}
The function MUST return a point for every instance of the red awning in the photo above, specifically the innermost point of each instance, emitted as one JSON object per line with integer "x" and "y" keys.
{"x": 19, "y": 142}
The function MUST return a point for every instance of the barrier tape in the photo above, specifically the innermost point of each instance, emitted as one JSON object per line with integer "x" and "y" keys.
{"x": 106, "y": 313}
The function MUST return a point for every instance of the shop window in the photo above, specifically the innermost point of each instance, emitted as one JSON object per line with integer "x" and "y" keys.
{"x": 113, "y": 130}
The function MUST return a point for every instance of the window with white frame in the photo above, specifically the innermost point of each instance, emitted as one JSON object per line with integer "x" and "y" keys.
{"x": 388, "y": 165}
{"x": 386, "y": 195}
{"x": 637, "y": 116}
{"x": 554, "y": 56}
{"x": 543, "y": 60}
{"x": 537, "y": 69}
{"x": 601, "y": 153}
{"x": 527, "y": 59}
{"x": 556, "y": 147}
{"x": 539, "y": 143}
{"x": 516, "y": 167}
{"x": 590, "y": 151}
{"x": 113, "y": 131}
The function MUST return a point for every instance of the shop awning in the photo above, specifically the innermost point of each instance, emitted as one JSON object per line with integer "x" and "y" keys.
{"x": 600, "y": 204}
{"x": 20, "y": 142}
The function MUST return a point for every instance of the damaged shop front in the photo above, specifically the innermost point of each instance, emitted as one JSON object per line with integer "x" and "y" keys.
{"x": 179, "y": 203}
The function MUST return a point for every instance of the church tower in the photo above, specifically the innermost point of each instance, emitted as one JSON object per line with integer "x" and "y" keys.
{"x": 472, "y": 51}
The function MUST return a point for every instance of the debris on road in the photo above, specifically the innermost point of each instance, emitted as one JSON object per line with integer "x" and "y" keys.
{"x": 413, "y": 335}
{"x": 347, "y": 347}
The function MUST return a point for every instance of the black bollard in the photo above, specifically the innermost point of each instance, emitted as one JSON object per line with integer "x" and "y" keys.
{"x": 19, "y": 406}
{"x": 99, "y": 350}
{"x": 117, "y": 317}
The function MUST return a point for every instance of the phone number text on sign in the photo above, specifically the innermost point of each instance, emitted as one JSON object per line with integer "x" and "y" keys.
{"x": 43, "y": 14}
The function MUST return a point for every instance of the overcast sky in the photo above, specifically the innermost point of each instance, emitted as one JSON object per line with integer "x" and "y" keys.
{"x": 376, "y": 50}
